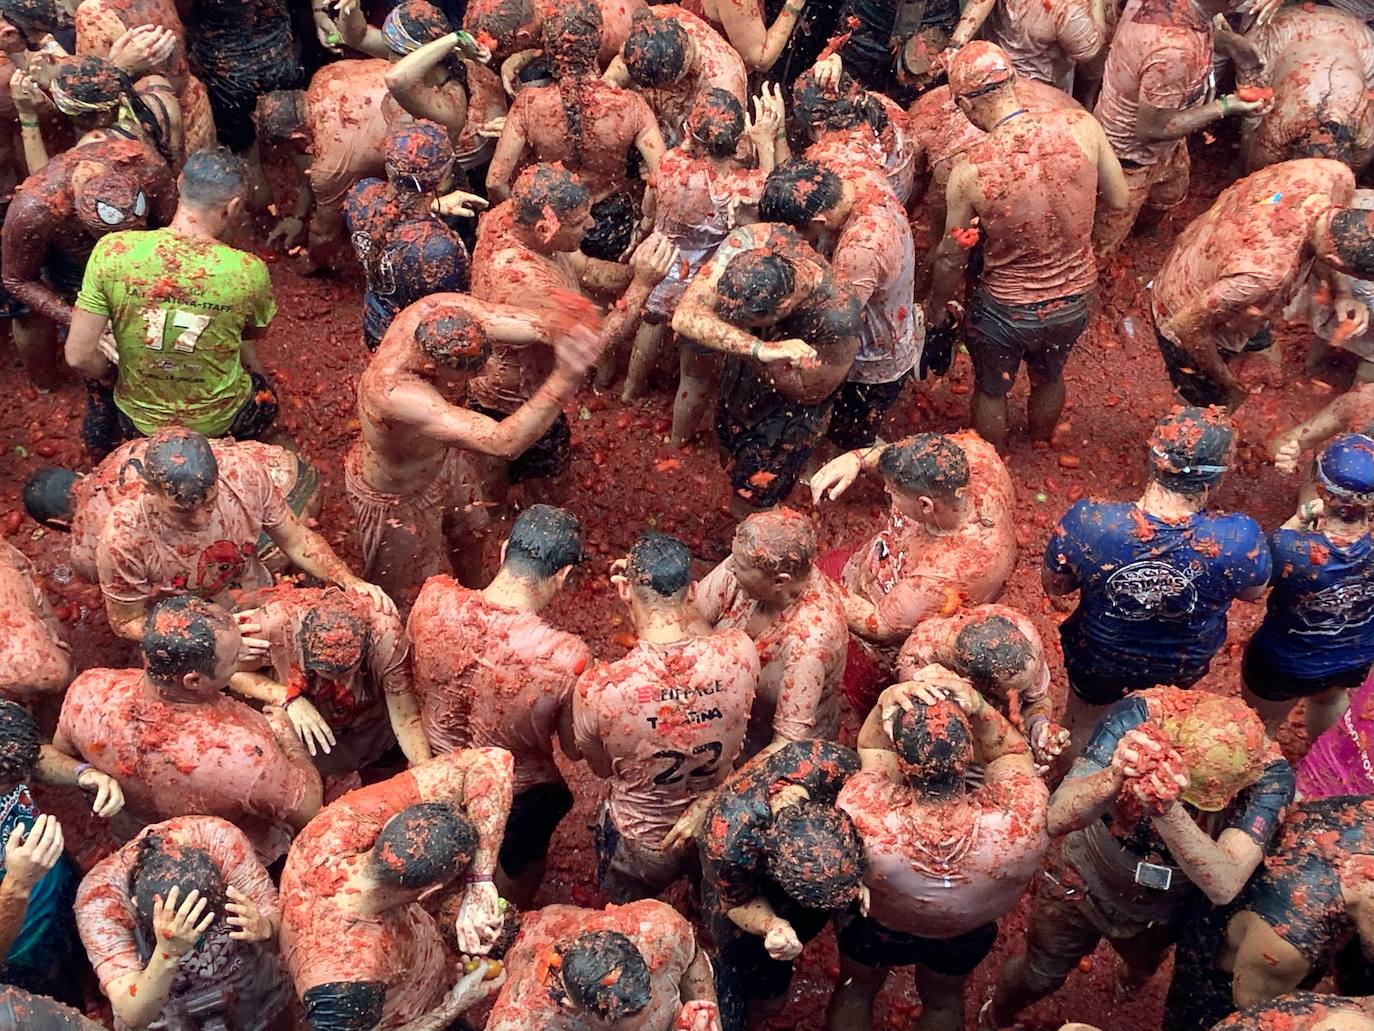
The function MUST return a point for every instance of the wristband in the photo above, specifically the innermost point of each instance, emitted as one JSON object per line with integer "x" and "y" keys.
{"x": 479, "y": 878}
{"x": 82, "y": 768}
{"x": 755, "y": 349}
{"x": 1225, "y": 107}
{"x": 27, "y": 125}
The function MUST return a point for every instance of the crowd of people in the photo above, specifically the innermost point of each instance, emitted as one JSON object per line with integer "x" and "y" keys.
{"x": 332, "y": 788}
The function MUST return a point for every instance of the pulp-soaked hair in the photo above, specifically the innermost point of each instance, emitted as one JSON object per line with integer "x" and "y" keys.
{"x": 94, "y": 80}
{"x": 543, "y": 540}
{"x": 1352, "y": 234}
{"x": 423, "y": 845}
{"x": 333, "y": 637}
{"x": 160, "y": 865}
{"x": 571, "y": 34}
{"x": 1190, "y": 449}
{"x": 500, "y": 21}
{"x": 815, "y": 855}
{"x": 48, "y": 497}
{"x": 345, "y": 1005}
{"x": 213, "y": 177}
{"x": 655, "y": 51}
{"x": 179, "y": 636}
{"x": 423, "y": 21}
{"x": 797, "y": 191}
{"x": 603, "y": 973}
{"x": 661, "y": 563}
{"x": 179, "y": 464}
{"x": 926, "y": 463}
{"x": 20, "y": 742}
{"x": 754, "y": 285}
{"x": 849, "y": 105}
{"x": 934, "y": 743}
{"x": 545, "y": 189}
{"x": 31, "y": 16}
{"x": 991, "y": 650}
{"x": 1326, "y": 139}
{"x": 780, "y": 540}
{"x": 716, "y": 121}
{"x": 278, "y": 114}
{"x": 454, "y": 339}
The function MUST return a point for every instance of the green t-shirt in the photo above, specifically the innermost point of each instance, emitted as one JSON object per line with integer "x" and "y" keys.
{"x": 177, "y": 306}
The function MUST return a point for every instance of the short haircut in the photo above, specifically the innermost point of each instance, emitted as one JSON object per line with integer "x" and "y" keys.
{"x": 926, "y": 463}
{"x": 1190, "y": 449}
{"x": 815, "y": 855}
{"x": 655, "y": 51}
{"x": 543, "y": 540}
{"x": 798, "y": 191}
{"x": 160, "y": 865}
{"x": 333, "y": 637}
{"x": 20, "y": 742}
{"x": 934, "y": 743}
{"x": 180, "y": 464}
{"x": 848, "y": 105}
{"x": 990, "y": 650}
{"x": 545, "y": 188}
{"x": 37, "y": 16}
{"x": 179, "y": 636}
{"x": 572, "y": 37}
{"x": 48, "y": 496}
{"x": 661, "y": 563}
{"x": 1327, "y": 139}
{"x": 423, "y": 845}
{"x": 454, "y": 339}
{"x": 501, "y": 20}
{"x": 754, "y": 285}
{"x": 716, "y": 121}
{"x": 278, "y": 114}
{"x": 1352, "y": 234}
{"x": 780, "y": 540}
{"x": 212, "y": 178}
{"x": 605, "y": 974}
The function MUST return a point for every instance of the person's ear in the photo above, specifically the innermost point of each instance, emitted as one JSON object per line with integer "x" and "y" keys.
{"x": 782, "y": 580}
{"x": 191, "y": 681}
{"x": 502, "y": 560}
{"x": 11, "y": 42}
{"x": 561, "y": 577}
{"x": 233, "y": 208}
{"x": 926, "y": 505}
{"x": 692, "y": 593}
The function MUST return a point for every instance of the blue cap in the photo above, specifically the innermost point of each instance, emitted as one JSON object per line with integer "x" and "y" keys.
{"x": 1345, "y": 468}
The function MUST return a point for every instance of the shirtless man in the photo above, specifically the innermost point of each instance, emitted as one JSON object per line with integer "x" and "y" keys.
{"x": 511, "y": 27}
{"x": 998, "y": 650}
{"x": 35, "y": 657}
{"x": 623, "y": 968}
{"x": 196, "y": 529}
{"x": 672, "y": 58}
{"x": 428, "y": 81}
{"x": 361, "y": 950}
{"x": 490, "y": 672}
{"x": 665, "y": 723}
{"x": 1243, "y": 259}
{"x": 944, "y": 863}
{"x": 1030, "y": 186}
{"x": 770, "y": 589}
{"x": 179, "y": 745}
{"x": 1046, "y": 41}
{"x": 411, "y": 477}
{"x": 1320, "y": 65}
{"x": 776, "y": 394}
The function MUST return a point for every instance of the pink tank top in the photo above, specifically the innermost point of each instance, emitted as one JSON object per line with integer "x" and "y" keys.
{"x": 1339, "y": 762}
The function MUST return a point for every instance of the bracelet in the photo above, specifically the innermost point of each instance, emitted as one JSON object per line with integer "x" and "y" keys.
{"x": 1225, "y": 107}
{"x": 82, "y": 768}
{"x": 479, "y": 878}
{"x": 756, "y": 348}
{"x": 795, "y": 10}
{"x": 27, "y": 125}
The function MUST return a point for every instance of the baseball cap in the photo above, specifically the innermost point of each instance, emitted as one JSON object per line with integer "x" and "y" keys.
{"x": 1221, "y": 741}
{"x": 977, "y": 67}
{"x": 1345, "y": 468}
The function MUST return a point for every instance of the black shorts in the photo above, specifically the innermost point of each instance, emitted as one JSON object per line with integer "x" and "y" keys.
{"x": 1107, "y": 690}
{"x": 859, "y": 410}
{"x": 1001, "y": 336}
{"x": 548, "y": 456}
{"x": 535, "y": 814}
{"x": 1191, "y": 383}
{"x": 866, "y": 941}
{"x": 768, "y": 435}
{"x": 1266, "y": 680}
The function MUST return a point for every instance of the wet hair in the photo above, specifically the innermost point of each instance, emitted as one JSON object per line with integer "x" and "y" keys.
{"x": 1352, "y": 236}
{"x": 38, "y": 17}
{"x": 422, "y": 21}
{"x": 990, "y": 650}
{"x": 815, "y": 855}
{"x": 97, "y": 82}
{"x": 1190, "y": 449}
{"x": 850, "y": 105}
{"x": 605, "y": 974}
{"x": 423, "y": 845}
{"x": 543, "y": 540}
{"x": 777, "y": 541}
{"x": 537, "y": 71}
{"x": 655, "y": 51}
{"x": 179, "y": 464}
{"x": 614, "y": 219}
{"x": 454, "y": 339}
{"x": 48, "y": 496}
{"x": 661, "y": 563}
{"x": 278, "y": 114}
{"x": 179, "y": 636}
{"x": 500, "y": 21}
{"x": 926, "y": 463}
{"x": 934, "y": 743}
{"x": 572, "y": 44}
{"x": 213, "y": 177}
{"x": 797, "y": 191}
{"x": 754, "y": 285}
{"x": 419, "y": 156}
{"x": 716, "y": 121}
{"x": 333, "y": 637}
{"x": 1326, "y": 139}
{"x": 20, "y": 742}
{"x": 545, "y": 189}
{"x": 160, "y": 865}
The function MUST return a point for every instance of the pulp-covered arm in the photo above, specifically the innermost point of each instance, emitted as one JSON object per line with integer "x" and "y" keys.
{"x": 950, "y": 258}
{"x": 406, "y": 81}
{"x": 23, "y": 250}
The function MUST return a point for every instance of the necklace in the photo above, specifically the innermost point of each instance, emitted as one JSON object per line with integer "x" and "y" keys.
{"x": 1007, "y": 118}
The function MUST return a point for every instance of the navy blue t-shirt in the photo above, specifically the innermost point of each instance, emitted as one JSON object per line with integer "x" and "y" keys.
{"x": 1321, "y": 609}
{"x": 1153, "y": 594}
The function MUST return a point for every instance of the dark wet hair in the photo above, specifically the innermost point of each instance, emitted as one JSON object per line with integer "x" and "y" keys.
{"x": 933, "y": 742}
{"x": 48, "y": 496}
{"x": 926, "y": 463}
{"x": 797, "y": 191}
{"x": 543, "y": 540}
{"x": 333, "y": 637}
{"x": 655, "y": 51}
{"x": 661, "y": 563}
{"x": 754, "y": 285}
{"x": 572, "y": 37}
{"x": 500, "y": 21}
{"x": 1326, "y": 139}
{"x": 1190, "y": 449}
{"x": 991, "y": 649}
{"x": 347, "y": 1005}
{"x": 20, "y": 742}
{"x": 454, "y": 339}
{"x": 160, "y": 865}
{"x": 1352, "y": 235}
{"x": 716, "y": 121}
{"x": 604, "y": 973}
{"x": 280, "y": 113}
{"x": 31, "y": 16}
{"x": 179, "y": 636}
{"x": 179, "y": 463}
{"x": 422, "y": 21}
{"x": 94, "y": 80}
{"x": 779, "y": 540}
{"x": 612, "y": 231}
{"x": 423, "y": 845}
{"x": 213, "y": 177}
{"x": 848, "y": 106}
{"x": 815, "y": 855}
{"x": 545, "y": 188}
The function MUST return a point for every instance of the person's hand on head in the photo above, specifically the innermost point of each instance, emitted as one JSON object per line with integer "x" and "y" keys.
{"x": 781, "y": 941}
{"x": 653, "y": 258}
{"x": 1047, "y": 741}
{"x": 109, "y": 796}
{"x": 312, "y": 728}
{"x": 29, "y": 855}
{"x": 381, "y": 601}
{"x": 177, "y": 929}
{"x": 828, "y": 72}
{"x": 142, "y": 50}
{"x": 247, "y": 921}
{"x": 479, "y": 918}
{"x": 698, "y": 1015}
